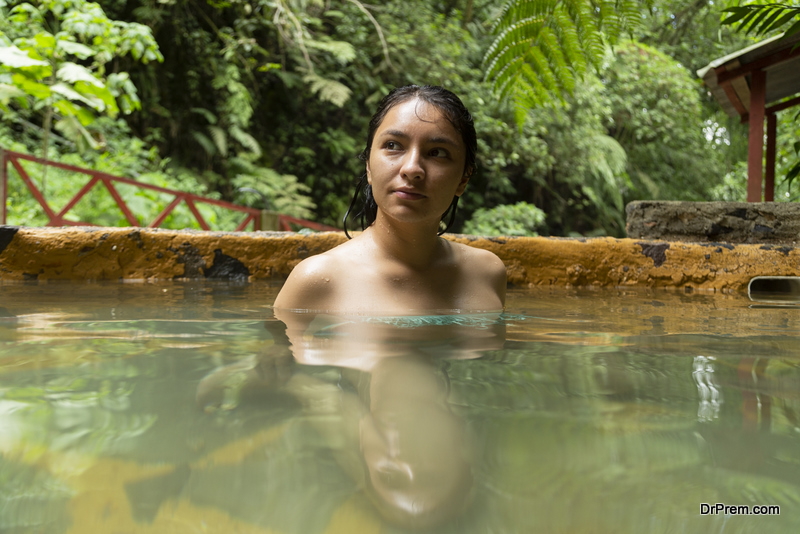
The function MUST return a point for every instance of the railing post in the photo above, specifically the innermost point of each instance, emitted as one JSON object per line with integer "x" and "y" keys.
{"x": 269, "y": 221}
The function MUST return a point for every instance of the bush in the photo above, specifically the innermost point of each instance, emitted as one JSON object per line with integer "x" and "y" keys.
{"x": 520, "y": 219}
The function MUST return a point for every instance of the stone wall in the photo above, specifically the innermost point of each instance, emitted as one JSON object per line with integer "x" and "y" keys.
{"x": 148, "y": 254}
{"x": 776, "y": 223}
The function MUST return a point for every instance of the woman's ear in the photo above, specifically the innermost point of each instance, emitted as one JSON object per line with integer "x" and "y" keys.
{"x": 462, "y": 185}
{"x": 369, "y": 175}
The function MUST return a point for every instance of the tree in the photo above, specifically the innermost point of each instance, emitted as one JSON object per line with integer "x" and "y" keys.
{"x": 55, "y": 57}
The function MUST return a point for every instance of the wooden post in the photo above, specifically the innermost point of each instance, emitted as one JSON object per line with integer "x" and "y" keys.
{"x": 269, "y": 221}
{"x": 769, "y": 172}
{"x": 755, "y": 143}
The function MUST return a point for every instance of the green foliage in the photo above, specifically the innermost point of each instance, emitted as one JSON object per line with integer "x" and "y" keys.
{"x": 543, "y": 46}
{"x": 275, "y": 96}
{"x": 657, "y": 117}
{"x": 763, "y": 19}
{"x": 284, "y": 193}
{"x": 520, "y": 219}
{"x": 54, "y": 58}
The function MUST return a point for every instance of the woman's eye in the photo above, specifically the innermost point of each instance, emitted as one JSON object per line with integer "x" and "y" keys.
{"x": 439, "y": 153}
{"x": 391, "y": 145}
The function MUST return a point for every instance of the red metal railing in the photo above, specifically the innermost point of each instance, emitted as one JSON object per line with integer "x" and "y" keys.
{"x": 252, "y": 215}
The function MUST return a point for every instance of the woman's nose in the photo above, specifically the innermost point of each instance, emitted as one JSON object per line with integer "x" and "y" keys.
{"x": 412, "y": 168}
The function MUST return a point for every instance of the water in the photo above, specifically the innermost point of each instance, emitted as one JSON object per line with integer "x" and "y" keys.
{"x": 177, "y": 407}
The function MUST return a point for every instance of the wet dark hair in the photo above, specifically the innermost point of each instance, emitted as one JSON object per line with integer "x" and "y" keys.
{"x": 453, "y": 110}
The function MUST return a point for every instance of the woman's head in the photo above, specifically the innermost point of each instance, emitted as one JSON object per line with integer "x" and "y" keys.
{"x": 450, "y": 107}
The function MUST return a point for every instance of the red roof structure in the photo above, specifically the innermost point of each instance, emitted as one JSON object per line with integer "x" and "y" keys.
{"x": 745, "y": 83}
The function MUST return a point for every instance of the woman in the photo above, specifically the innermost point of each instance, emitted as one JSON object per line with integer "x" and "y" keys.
{"x": 419, "y": 157}
{"x": 388, "y": 417}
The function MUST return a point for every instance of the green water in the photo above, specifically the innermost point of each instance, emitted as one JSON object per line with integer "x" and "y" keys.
{"x": 170, "y": 408}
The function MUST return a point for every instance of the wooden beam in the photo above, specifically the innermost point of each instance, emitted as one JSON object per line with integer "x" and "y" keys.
{"x": 730, "y": 92}
{"x": 755, "y": 143}
{"x": 783, "y": 105}
{"x": 751, "y": 68}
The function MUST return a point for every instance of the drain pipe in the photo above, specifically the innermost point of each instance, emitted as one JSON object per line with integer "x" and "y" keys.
{"x": 778, "y": 289}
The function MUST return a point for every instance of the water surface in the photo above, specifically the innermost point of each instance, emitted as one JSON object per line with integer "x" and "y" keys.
{"x": 178, "y": 407}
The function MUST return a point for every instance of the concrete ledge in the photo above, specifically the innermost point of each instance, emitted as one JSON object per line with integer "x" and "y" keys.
{"x": 138, "y": 253}
{"x": 732, "y": 222}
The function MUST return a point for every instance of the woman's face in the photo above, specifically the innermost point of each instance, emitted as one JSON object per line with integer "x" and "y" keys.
{"x": 416, "y": 163}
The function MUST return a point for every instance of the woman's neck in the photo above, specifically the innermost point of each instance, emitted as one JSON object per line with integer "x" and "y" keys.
{"x": 414, "y": 245}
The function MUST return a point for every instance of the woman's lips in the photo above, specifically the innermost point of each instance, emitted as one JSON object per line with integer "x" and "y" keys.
{"x": 408, "y": 195}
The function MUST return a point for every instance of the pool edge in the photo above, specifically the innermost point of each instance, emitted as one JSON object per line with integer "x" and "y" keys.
{"x": 93, "y": 253}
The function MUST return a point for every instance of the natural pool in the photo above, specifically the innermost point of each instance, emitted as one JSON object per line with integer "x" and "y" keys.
{"x": 582, "y": 411}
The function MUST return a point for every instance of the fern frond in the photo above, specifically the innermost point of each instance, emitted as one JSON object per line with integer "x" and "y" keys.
{"x": 203, "y": 140}
{"x": 763, "y": 19}
{"x": 543, "y": 46}
{"x": 220, "y": 139}
{"x": 328, "y": 90}
{"x": 246, "y": 140}
{"x": 342, "y": 51}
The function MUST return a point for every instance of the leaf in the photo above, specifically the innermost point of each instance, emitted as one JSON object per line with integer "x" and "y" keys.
{"x": 328, "y": 90}
{"x": 781, "y": 21}
{"x": 762, "y": 19}
{"x": 761, "y": 15}
{"x": 205, "y": 142}
{"x": 71, "y": 94}
{"x": 343, "y": 51}
{"x": 72, "y": 129}
{"x": 8, "y": 91}
{"x": 13, "y": 57}
{"x": 44, "y": 40}
{"x": 102, "y": 93}
{"x": 220, "y": 139}
{"x": 85, "y": 116}
{"x": 76, "y": 49}
{"x": 769, "y": 21}
{"x": 246, "y": 140}
{"x": 31, "y": 87}
{"x": 792, "y": 30}
{"x": 210, "y": 117}
{"x": 65, "y": 107}
{"x": 73, "y": 73}
{"x": 738, "y": 14}
{"x": 792, "y": 174}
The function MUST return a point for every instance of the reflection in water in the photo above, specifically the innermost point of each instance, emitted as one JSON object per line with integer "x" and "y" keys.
{"x": 387, "y": 416}
{"x": 584, "y": 412}
{"x": 710, "y": 398}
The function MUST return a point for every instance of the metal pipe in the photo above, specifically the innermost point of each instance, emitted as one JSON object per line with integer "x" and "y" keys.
{"x": 778, "y": 289}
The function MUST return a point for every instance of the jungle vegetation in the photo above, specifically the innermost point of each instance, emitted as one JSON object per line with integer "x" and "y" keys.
{"x": 581, "y": 105}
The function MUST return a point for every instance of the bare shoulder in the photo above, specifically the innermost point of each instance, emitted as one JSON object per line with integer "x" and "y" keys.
{"x": 484, "y": 266}
{"x": 311, "y": 284}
